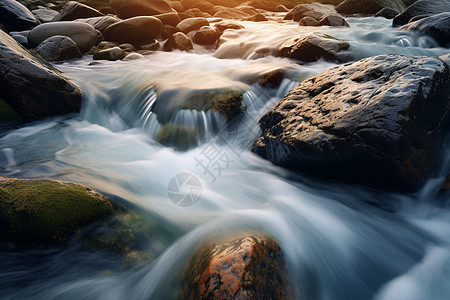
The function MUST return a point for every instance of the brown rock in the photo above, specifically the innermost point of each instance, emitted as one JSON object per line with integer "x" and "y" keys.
{"x": 272, "y": 79}
{"x": 244, "y": 268}
{"x": 137, "y": 30}
{"x": 100, "y": 23}
{"x": 192, "y": 24}
{"x": 333, "y": 20}
{"x": 132, "y": 8}
{"x": 308, "y": 21}
{"x": 315, "y": 10}
{"x": 178, "y": 41}
{"x": 73, "y": 10}
{"x": 169, "y": 19}
{"x": 227, "y": 24}
{"x": 206, "y": 35}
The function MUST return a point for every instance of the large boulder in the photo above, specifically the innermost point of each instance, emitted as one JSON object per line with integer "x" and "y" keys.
{"x": 84, "y": 35}
{"x": 421, "y": 8}
{"x": 16, "y": 17}
{"x": 133, "y": 8}
{"x": 192, "y": 24}
{"x": 437, "y": 26}
{"x": 315, "y": 46}
{"x": 57, "y": 48}
{"x": 45, "y": 211}
{"x": 243, "y": 268}
{"x": 73, "y": 10}
{"x": 169, "y": 18}
{"x": 32, "y": 87}
{"x": 377, "y": 122}
{"x": 368, "y": 7}
{"x": 100, "y": 23}
{"x": 137, "y": 30}
{"x": 314, "y": 10}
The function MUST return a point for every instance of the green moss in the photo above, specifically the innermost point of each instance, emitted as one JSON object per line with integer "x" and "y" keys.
{"x": 115, "y": 239}
{"x": 137, "y": 258}
{"x": 179, "y": 137}
{"x": 228, "y": 103}
{"x": 47, "y": 211}
{"x": 7, "y": 114}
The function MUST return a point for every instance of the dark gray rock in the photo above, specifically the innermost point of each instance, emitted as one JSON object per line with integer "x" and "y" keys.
{"x": 33, "y": 88}
{"x": 368, "y": 7}
{"x": 178, "y": 41}
{"x": 21, "y": 40}
{"x": 308, "y": 21}
{"x": 315, "y": 10}
{"x": 83, "y": 34}
{"x": 57, "y": 48}
{"x": 73, "y": 10}
{"x": 437, "y": 26}
{"x": 112, "y": 54}
{"x": 421, "y": 8}
{"x": 315, "y": 46}
{"x": 100, "y": 23}
{"x": 45, "y": 14}
{"x": 137, "y": 30}
{"x": 387, "y": 13}
{"x": 15, "y": 17}
{"x": 378, "y": 122}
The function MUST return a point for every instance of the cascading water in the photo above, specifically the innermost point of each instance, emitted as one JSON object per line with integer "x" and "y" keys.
{"x": 337, "y": 244}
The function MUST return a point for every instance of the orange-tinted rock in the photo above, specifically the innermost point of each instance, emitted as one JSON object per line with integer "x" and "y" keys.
{"x": 244, "y": 268}
{"x": 137, "y": 30}
{"x": 192, "y": 24}
{"x": 206, "y": 35}
{"x": 132, "y": 8}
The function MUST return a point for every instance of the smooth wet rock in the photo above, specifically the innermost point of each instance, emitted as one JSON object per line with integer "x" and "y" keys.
{"x": 206, "y": 35}
{"x": 127, "y": 47}
{"x": 333, "y": 20}
{"x": 256, "y": 18}
{"x": 315, "y": 10}
{"x": 192, "y": 24}
{"x": 421, "y": 8}
{"x": 133, "y": 56}
{"x": 153, "y": 46}
{"x": 45, "y": 211}
{"x": 272, "y": 79}
{"x": 308, "y": 21}
{"x": 73, "y": 10}
{"x": 177, "y": 6}
{"x": 169, "y": 18}
{"x": 21, "y": 40}
{"x": 368, "y": 7}
{"x": 227, "y": 24}
{"x": 100, "y": 23}
{"x": 33, "y": 88}
{"x": 379, "y": 122}
{"x": 388, "y": 13}
{"x": 315, "y": 46}
{"x": 137, "y": 30}
{"x": 84, "y": 35}
{"x": 178, "y": 41}
{"x": 437, "y": 26}
{"x": 249, "y": 267}
{"x": 16, "y": 17}
{"x": 280, "y": 8}
{"x": 45, "y": 14}
{"x": 57, "y": 48}
{"x": 202, "y": 5}
{"x": 133, "y": 8}
{"x": 177, "y": 136}
{"x": 111, "y": 54}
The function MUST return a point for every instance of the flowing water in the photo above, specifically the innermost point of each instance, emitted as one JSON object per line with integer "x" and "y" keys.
{"x": 337, "y": 241}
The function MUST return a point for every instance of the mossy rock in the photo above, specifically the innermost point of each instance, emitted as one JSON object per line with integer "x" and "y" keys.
{"x": 45, "y": 211}
{"x": 7, "y": 114}
{"x": 137, "y": 258}
{"x": 179, "y": 137}
{"x": 228, "y": 103}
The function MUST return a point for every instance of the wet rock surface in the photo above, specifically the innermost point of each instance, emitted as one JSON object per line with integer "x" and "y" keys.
{"x": 377, "y": 122}
{"x": 437, "y": 26}
{"x": 421, "y": 8}
{"x": 57, "y": 48}
{"x": 15, "y": 17}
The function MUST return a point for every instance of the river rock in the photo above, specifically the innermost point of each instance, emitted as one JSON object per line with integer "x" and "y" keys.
{"x": 100, "y": 23}
{"x": 133, "y": 8}
{"x": 256, "y": 18}
{"x": 45, "y": 14}
{"x": 169, "y": 18}
{"x": 137, "y": 30}
{"x": 378, "y": 122}
{"x": 192, "y": 24}
{"x": 73, "y": 10}
{"x": 437, "y": 26}
{"x": 133, "y": 56}
{"x": 84, "y": 35}
{"x": 387, "y": 13}
{"x": 421, "y": 8}
{"x": 314, "y": 10}
{"x": 57, "y": 48}
{"x": 202, "y": 5}
{"x": 45, "y": 211}
{"x": 242, "y": 268}
{"x": 178, "y": 41}
{"x": 315, "y": 46}
{"x": 206, "y": 35}
{"x": 16, "y": 17}
{"x": 280, "y": 8}
{"x": 21, "y": 40}
{"x": 112, "y": 54}
{"x": 227, "y": 24}
{"x": 333, "y": 20}
{"x": 368, "y": 7}
{"x": 177, "y": 6}
{"x": 33, "y": 88}
{"x": 308, "y": 21}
